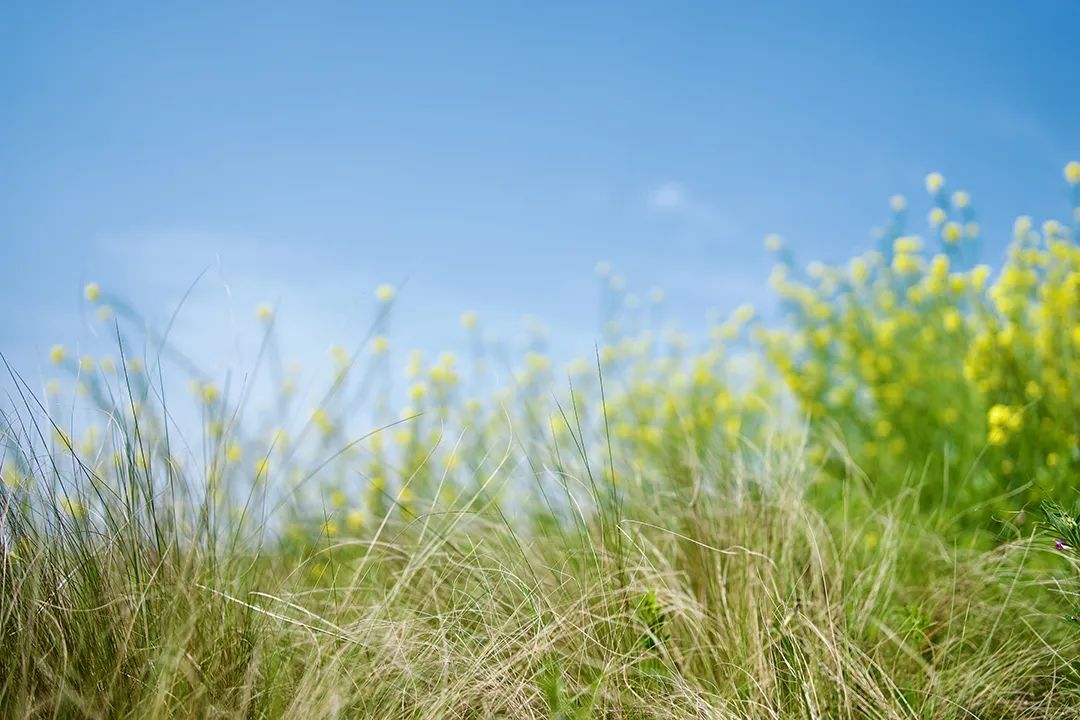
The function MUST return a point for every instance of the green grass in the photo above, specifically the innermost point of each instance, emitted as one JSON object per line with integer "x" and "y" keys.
{"x": 726, "y": 593}
{"x": 833, "y": 516}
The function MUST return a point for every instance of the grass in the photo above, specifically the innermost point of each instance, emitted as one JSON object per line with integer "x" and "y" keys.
{"x": 835, "y": 516}
{"x": 742, "y": 601}
{"x": 728, "y": 595}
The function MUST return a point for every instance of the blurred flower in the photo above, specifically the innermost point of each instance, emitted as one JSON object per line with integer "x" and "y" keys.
{"x": 384, "y": 293}
{"x": 909, "y": 244}
{"x": 952, "y": 232}
{"x": 1072, "y": 172}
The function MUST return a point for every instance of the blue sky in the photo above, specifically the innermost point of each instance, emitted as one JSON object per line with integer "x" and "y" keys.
{"x": 486, "y": 155}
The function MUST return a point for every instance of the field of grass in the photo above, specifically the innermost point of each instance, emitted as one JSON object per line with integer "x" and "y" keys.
{"x": 862, "y": 508}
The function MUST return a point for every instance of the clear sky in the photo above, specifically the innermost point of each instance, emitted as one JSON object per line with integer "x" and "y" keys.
{"x": 486, "y": 155}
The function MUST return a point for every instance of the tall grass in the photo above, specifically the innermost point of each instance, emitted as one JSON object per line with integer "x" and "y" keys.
{"x": 829, "y": 516}
{"x": 736, "y": 599}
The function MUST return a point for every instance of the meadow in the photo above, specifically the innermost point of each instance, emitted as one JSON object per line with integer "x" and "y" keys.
{"x": 862, "y": 507}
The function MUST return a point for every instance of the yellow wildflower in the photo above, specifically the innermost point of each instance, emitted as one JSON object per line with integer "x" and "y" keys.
{"x": 1072, "y": 172}
{"x": 384, "y": 293}
{"x": 934, "y": 182}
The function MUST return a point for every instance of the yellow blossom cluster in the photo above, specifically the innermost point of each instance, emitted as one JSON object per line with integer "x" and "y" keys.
{"x": 912, "y": 356}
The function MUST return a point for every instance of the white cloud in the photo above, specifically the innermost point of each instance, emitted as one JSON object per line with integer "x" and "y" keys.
{"x": 668, "y": 197}
{"x": 673, "y": 199}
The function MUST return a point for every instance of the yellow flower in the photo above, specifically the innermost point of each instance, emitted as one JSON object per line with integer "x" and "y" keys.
{"x": 92, "y": 292}
{"x": 340, "y": 355}
{"x": 743, "y": 314}
{"x": 939, "y": 267}
{"x": 233, "y": 453}
{"x": 774, "y": 243}
{"x": 936, "y": 217}
{"x": 1072, "y": 172}
{"x": 264, "y": 312}
{"x": 656, "y": 296}
{"x": 384, "y": 293}
{"x": 909, "y": 244}
{"x": 1022, "y": 226}
{"x": 898, "y": 203}
{"x": 210, "y": 393}
{"x": 858, "y": 271}
{"x": 355, "y": 520}
{"x": 535, "y": 362}
{"x": 905, "y": 264}
{"x": 979, "y": 275}
{"x": 951, "y": 320}
{"x": 337, "y": 498}
{"x": 883, "y": 428}
{"x": 380, "y": 344}
{"x": 961, "y": 199}
{"x": 262, "y": 468}
{"x": 104, "y": 313}
{"x": 952, "y": 232}
{"x": 469, "y": 319}
{"x": 997, "y": 437}
{"x": 1032, "y": 390}
{"x": 322, "y": 421}
{"x": 934, "y": 182}
{"x": 57, "y": 354}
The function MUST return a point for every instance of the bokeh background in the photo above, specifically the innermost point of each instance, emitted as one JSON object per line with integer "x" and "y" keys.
{"x": 486, "y": 156}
